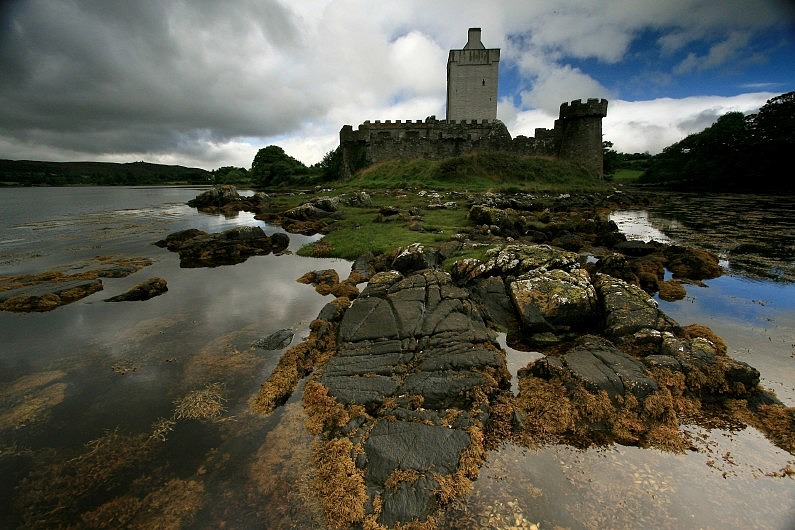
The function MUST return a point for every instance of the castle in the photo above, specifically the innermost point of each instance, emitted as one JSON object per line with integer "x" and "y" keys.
{"x": 471, "y": 123}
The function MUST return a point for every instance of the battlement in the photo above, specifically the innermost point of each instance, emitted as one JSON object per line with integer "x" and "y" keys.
{"x": 579, "y": 108}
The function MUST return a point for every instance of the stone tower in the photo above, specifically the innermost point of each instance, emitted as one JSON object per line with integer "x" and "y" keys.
{"x": 472, "y": 80}
{"x": 578, "y": 133}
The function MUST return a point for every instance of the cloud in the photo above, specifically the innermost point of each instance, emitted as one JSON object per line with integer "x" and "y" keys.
{"x": 640, "y": 126}
{"x": 725, "y": 51}
{"x": 206, "y": 83}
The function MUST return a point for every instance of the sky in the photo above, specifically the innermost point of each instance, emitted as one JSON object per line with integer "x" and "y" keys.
{"x": 204, "y": 83}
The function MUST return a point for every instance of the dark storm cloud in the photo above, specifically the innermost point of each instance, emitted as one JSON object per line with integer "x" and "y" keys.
{"x": 107, "y": 76}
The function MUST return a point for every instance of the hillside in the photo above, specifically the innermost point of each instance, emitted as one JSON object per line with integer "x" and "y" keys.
{"x": 35, "y": 173}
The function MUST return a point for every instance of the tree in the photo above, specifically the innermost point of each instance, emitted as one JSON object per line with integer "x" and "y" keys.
{"x": 273, "y": 166}
{"x": 773, "y": 130}
{"x": 610, "y": 159}
{"x": 736, "y": 152}
{"x": 331, "y": 165}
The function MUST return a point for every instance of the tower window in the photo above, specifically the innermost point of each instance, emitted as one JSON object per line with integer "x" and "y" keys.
{"x": 484, "y": 82}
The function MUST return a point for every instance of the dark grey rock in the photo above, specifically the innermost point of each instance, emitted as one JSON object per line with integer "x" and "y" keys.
{"x": 602, "y": 366}
{"x": 407, "y": 445}
{"x": 490, "y": 294}
{"x": 443, "y": 390}
{"x": 409, "y": 501}
{"x": 369, "y": 391}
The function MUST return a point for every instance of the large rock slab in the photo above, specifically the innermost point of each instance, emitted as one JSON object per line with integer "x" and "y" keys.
{"x": 415, "y": 353}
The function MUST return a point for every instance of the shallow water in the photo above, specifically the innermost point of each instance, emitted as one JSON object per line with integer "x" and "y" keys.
{"x": 113, "y": 375}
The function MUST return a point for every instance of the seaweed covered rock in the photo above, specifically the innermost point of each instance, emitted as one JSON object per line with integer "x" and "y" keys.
{"x": 47, "y": 295}
{"x": 143, "y": 291}
{"x": 200, "y": 249}
{"x": 224, "y": 198}
{"x": 410, "y": 386}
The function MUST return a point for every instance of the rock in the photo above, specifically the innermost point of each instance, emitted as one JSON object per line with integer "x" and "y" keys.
{"x": 388, "y": 211}
{"x": 554, "y": 300}
{"x": 279, "y": 242}
{"x": 328, "y": 282}
{"x": 360, "y": 199}
{"x": 177, "y": 239}
{"x": 261, "y": 199}
{"x": 692, "y": 263}
{"x": 143, "y": 291}
{"x": 449, "y": 205}
{"x": 617, "y": 266}
{"x": 200, "y": 249}
{"x": 508, "y": 222}
{"x": 327, "y": 204}
{"x": 409, "y": 500}
{"x": 413, "y": 350}
{"x": 48, "y": 295}
{"x": 514, "y": 260}
{"x": 494, "y": 300}
{"x": 363, "y": 266}
{"x": 635, "y": 248}
{"x": 415, "y": 257}
{"x": 306, "y": 212}
{"x": 217, "y": 196}
{"x": 276, "y": 340}
{"x": 392, "y": 446}
{"x": 572, "y": 242}
{"x": 602, "y": 366}
{"x": 225, "y": 199}
{"x": 628, "y": 309}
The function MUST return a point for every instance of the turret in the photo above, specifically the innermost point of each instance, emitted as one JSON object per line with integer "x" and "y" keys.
{"x": 578, "y": 133}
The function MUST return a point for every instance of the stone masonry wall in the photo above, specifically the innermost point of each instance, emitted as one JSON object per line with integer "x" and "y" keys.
{"x": 577, "y": 137}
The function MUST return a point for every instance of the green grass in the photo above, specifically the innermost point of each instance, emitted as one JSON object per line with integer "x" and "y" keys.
{"x": 495, "y": 171}
{"x": 396, "y": 183}
{"x": 626, "y": 175}
{"x": 363, "y": 229}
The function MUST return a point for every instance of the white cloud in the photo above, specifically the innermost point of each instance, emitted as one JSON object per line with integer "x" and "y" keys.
{"x": 640, "y": 126}
{"x": 198, "y": 82}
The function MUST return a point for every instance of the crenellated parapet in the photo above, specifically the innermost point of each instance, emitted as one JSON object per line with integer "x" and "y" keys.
{"x": 578, "y": 108}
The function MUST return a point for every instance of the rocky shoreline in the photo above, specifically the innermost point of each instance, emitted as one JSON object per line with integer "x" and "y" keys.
{"x": 408, "y": 388}
{"x": 404, "y": 384}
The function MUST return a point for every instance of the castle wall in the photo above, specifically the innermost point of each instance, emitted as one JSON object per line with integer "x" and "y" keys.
{"x": 577, "y": 137}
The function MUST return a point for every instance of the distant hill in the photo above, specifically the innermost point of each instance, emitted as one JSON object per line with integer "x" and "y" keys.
{"x": 35, "y": 173}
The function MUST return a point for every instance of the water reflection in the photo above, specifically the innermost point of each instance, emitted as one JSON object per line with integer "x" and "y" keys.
{"x": 636, "y": 226}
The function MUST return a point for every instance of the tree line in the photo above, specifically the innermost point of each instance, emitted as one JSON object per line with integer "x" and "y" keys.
{"x": 736, "y": 153}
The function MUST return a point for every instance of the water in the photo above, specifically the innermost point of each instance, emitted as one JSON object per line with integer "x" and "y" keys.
{"x": 91, "y": 369}
{"x": 108, "y": 375}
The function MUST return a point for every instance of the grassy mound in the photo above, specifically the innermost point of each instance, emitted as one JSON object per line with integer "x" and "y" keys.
{"x": 478, "y": 171}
